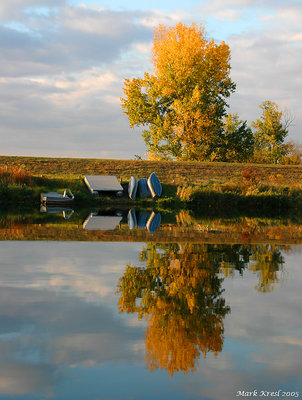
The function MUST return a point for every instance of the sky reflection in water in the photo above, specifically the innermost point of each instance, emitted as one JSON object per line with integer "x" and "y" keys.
{"x": 62, "y": 335}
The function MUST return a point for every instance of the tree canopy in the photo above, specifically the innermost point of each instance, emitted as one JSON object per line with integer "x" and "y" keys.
{"x": 183, "y": 103}
{"x": 270, "y": 132}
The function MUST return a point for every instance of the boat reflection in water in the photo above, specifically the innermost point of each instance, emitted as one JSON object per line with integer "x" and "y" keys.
{"x": 110, "y": 220}
{"x": 66, "y": 211}
{"x": 97, "y": 222}
{"x": 144, "y": 219}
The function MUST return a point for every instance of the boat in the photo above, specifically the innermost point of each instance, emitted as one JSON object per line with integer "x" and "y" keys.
{"x": 154, "y": 185}
{"x": 142, "y": 218}
{"x": 132, "y": 188}
{"x": 103, "y": 184}
{"x": 57, "y": 198}
{"x": 143, "y": 189}
{"x": 132, "y": 222}
{"x": 153, "y": 222}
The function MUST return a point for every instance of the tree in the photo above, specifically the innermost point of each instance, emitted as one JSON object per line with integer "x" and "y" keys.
{"x": 237, "y": 140}
{"x": 293, "y": 154}
{"x": 270, "y": 132}
{"x": 184, "y": 101}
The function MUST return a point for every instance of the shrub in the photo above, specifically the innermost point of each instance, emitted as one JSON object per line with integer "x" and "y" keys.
{"x": 10, "y": 175}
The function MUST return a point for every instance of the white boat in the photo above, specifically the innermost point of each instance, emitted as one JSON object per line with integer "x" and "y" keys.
{"x": 103, "y": 184}
{"x": 154, "y": 185}
{"x": 143, "y": 189}
{"x": 132, "y": 222}
{"x": 132, "y": 188}
{"x": 57, "y": 198}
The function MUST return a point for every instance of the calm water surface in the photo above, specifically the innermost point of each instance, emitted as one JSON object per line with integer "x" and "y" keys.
{"x": 113, "y": 320}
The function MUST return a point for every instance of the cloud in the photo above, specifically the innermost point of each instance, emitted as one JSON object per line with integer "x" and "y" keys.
{"x": 15, "y": 9}
{"x": 20, "y": 379}
{"x": 74, "y": 111}
{"x": 154, "y": 18}
{"x": 266, "y": 64}
{"x": 63, "y": 84}
{"x": 77, "y": 42}
{"x": 63, "y": 68}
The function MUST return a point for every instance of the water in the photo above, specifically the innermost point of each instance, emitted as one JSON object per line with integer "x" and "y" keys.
{"x": 147, "y": 319}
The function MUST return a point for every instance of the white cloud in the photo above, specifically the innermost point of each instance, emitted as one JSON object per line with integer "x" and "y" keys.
{"x": 106, "y": 23}
{"x": 155, "y": 18}
{"x": 266, "y": 64}
{"x": 63, "y": 76}
{"x": 15, "y": 8}
{"x": 143, "y": 48}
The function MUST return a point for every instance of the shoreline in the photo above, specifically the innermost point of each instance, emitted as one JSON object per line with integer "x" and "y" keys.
{"x": 228, "y": 188}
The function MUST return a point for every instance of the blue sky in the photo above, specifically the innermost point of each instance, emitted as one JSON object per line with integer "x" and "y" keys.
{"x": 63, "y": 64}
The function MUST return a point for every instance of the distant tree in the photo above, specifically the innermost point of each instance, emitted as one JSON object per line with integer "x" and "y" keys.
{"x": 183, "y": 102}
{"x": 270, "y": 132}
{"x": 237, "y": 141}
{"x": 293, "y": 154}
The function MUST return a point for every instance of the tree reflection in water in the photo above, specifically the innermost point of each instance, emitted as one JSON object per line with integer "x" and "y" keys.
{"x": 179, "y": 291}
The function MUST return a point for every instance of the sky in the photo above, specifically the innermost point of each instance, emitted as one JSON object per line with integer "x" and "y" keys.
{"x": 63, "y": 64}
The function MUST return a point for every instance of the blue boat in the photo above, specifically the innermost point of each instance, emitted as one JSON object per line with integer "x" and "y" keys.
{"x": 132, "y": 188}
{"x": 153, "y": 222}
{"x": 154, "y": 185}
{"x": 142, "y": 218}
{"x": 143, "y": 189}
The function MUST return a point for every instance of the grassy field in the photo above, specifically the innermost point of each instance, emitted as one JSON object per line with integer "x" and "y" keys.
{"x": 179, "y": 173}
{"x": 194, "y": 183}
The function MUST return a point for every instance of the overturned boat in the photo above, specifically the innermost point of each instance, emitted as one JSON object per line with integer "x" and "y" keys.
{"x": 103, "y": 185}
{"x": 55, "y": 198}
{"x": 154, "y": 185}
{"x": 132, "y": 188}
{"x": 143, "y": 189}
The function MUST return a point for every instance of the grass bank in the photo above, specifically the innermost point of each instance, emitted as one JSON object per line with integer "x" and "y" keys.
{"x": 205, "y": 187}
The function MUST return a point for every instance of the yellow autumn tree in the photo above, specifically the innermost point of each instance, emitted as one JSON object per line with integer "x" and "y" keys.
{"x": 179, "y": 292}
{"x": 182, "y": 104}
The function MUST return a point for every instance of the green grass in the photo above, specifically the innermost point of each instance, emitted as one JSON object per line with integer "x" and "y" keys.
{"x": 198, "y": 185}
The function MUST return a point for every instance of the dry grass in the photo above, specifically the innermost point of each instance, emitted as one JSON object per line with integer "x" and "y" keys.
{"x": 178, "y": 173}
{"x": 14, "y": 174}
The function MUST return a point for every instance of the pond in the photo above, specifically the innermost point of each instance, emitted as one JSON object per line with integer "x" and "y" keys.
{"x": 122, "y": 312}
